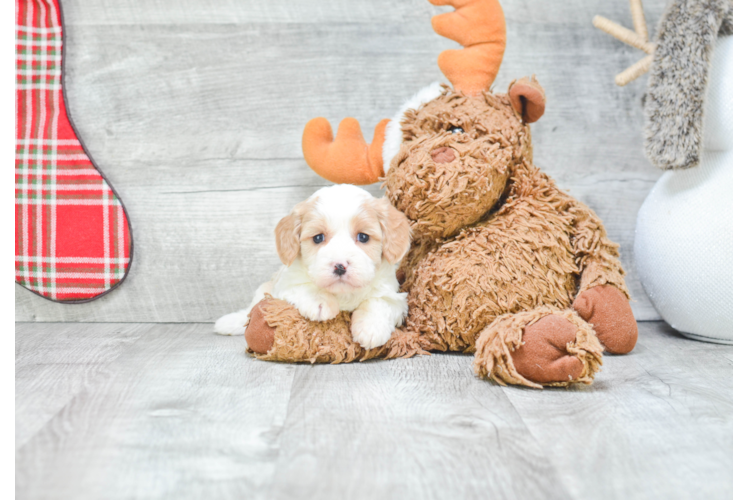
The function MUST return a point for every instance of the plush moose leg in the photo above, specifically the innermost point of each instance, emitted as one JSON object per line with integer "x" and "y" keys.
{"x": 277, "y": 332}
{"x": 607, "y": 309}
{"x": 538, "y": 347}
{"x": 534, "y": 348}
{"x": 602, "y": 299}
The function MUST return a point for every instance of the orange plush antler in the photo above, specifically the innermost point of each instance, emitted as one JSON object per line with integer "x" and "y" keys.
{"x": 477, "y": 25}
{"x": 347, "y": 159}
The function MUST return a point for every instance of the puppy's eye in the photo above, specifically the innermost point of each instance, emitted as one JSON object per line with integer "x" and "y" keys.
{"x": 319, "y": 238}
{"x": 362, "y": 237}
{"x": 456, "y": 130}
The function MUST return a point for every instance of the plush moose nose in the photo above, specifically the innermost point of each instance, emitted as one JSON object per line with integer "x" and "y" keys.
{"x": 443, "y": 155}
{"x": 339, "y": 269}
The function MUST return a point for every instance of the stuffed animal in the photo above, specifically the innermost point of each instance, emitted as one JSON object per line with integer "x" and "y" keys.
{"x": 683, "y": 242}
{"x": 503, "y": 263}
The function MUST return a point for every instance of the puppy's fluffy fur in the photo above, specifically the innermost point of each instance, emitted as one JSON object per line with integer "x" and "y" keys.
{"x": 340, "y": 249}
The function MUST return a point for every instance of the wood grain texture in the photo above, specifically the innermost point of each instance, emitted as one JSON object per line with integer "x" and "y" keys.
{"x": 428, "y": 429}
{"x": 172, "y": 411}
{"x": 194, "y": 110}
{"x": 640, "y": 425}
{"x": 56, "y": 363}
{"x": 182, "y": 413}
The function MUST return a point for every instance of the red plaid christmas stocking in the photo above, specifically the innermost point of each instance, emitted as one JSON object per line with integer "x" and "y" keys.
{"x": 72, "y": 234}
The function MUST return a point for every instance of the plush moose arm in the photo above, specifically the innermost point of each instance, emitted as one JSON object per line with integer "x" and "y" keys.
{"x": 602, "y": 299}
{"x": 596, "y": 256}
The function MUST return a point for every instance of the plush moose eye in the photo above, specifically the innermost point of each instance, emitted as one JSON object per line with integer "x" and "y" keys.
{"x": 319, "y": 238}
{"x": 456, "y": 130}
{"x": 362, "y": 237}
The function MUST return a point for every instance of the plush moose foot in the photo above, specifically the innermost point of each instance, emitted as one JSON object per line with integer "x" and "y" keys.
{"x": 259, "y": 335}
{"x": 607, "y": 309}
{"x": 278, "y": 332}
{"x": 538, "y": 347}
{"x": 542, "y": 357}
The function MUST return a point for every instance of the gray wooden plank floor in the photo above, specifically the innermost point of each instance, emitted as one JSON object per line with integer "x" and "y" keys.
{"x": 173, "y": 411}
{"x": 194, "y": 110}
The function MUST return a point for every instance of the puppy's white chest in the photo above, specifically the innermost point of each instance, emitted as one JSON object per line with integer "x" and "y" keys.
{"x": 349, "y": 302}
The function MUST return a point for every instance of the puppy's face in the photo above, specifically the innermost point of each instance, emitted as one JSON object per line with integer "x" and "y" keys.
{"x": 342, "y": 234}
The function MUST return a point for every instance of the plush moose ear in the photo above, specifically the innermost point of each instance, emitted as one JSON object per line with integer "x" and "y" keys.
{"x": 528, "y": 98}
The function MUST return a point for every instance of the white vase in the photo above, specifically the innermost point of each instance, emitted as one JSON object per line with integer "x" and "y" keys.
{"x": 683, "y": 239}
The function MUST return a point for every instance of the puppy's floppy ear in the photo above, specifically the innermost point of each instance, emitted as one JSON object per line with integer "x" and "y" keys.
{"x": 395, "y": 231}
{"x": 288, "y": 234}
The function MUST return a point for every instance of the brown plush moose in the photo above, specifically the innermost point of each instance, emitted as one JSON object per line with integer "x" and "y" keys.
{"x": 503, "y": 263}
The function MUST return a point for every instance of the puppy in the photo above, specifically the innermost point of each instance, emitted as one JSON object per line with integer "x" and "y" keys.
{"x": 340, "y": 250}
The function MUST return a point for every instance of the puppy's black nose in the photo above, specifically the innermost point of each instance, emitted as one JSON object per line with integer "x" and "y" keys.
{"x": 339, "y": 269}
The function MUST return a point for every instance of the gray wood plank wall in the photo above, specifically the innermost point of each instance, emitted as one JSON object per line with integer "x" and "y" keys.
{"x": 194, "y": 110}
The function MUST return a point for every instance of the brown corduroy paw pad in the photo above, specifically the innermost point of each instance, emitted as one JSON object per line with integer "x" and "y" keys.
{"x": 277, "y": 332}
{"x": 259, "y": 335}
{"x": 607, "y": 309}
{"x": 554, "y": 337}
{"x": 542, "y": 357}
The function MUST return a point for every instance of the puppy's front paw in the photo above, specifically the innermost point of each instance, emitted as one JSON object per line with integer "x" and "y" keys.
{"x": 319, "y": 311}
{"x": 370, "y": 331}
{"x": 232, "y": 324}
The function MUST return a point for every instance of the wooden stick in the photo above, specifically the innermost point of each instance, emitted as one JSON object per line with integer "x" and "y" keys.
{"x": 623, "y": 34}
{"x": 640, "y": 24}
{"x": 634, "y": 71}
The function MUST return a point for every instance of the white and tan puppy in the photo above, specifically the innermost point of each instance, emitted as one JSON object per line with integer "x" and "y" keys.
{"x": 340, "y": 249}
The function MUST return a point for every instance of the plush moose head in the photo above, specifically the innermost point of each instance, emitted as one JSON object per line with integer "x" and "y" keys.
{"x": 447, "y": 156}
